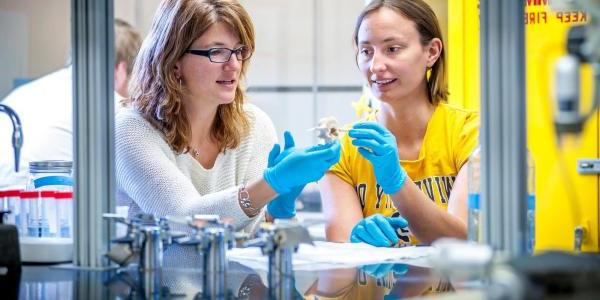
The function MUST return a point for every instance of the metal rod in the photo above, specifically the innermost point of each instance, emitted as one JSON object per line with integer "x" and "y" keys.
{"x": 93, "y": 109}
{"x": 503, "y": 124}
{"x": 215, "y": 263}
{"x": 281, "y": 274}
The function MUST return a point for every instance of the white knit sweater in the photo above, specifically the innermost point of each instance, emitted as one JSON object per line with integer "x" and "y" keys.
{"x": 152, "y": 178}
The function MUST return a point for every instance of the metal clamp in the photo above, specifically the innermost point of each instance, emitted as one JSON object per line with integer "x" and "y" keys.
{"x": 278, "y": 241}
{"x": 145, "y": 240}
{"x": 212, "y": 237}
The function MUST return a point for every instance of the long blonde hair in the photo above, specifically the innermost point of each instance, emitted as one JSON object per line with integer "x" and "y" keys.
{"x": 428, "y": 27}
{"x": 156, "y": 92}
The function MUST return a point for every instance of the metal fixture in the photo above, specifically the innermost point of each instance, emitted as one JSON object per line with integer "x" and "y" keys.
{"x": 128, "y": 284}
{"x": 583, "y": 47}
{"x": 92, "y": 40}
{"x": 212, "y": 237}
{"x": 145, "y": 241}
{"x": 278, "y": 241}
{"x": 580, "y": 234}
{"x": 503, "y": 121}
{"x": 588, "y": 166}
{"x": 17, "y": 136}
{"x": 568, "y": 118}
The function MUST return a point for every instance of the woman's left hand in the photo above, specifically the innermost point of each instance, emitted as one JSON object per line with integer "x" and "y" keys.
{"x": 284, "y": 205}
{"x": 378, "y": 145}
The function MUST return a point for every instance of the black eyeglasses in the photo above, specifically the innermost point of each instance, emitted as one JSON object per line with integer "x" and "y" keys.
{"x": 223, "y": 55}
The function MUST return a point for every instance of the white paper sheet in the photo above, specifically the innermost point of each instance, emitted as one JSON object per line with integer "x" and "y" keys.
{"x": 325, "y": 255}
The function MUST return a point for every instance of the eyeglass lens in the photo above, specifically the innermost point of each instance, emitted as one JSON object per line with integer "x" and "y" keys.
{"x": 224, "y": 54}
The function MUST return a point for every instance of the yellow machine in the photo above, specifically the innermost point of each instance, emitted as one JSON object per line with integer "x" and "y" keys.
{"x": 567, "y": 202}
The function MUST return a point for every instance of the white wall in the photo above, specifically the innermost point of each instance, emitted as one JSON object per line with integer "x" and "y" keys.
{"x": 34, "y": 37}
{"x": 295, "y": 47}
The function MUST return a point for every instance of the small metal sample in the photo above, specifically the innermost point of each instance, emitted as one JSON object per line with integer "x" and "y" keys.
{"x": 328, "y": 130}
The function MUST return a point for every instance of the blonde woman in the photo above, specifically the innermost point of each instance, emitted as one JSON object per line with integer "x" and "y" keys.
{"x": 189, "y": 144}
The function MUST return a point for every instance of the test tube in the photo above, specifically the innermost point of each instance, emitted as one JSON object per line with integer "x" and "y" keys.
{"x": 23, "y": 215}
{"x": 30, "y": 211}
{"x": 64, "y": 213}
{"x": 4, "y": 205}
{"x": 48, "y": 221}
{"x": 11, "y": 202}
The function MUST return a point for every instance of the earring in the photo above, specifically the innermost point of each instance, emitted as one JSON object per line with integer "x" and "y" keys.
{"x": 180, "y": 83}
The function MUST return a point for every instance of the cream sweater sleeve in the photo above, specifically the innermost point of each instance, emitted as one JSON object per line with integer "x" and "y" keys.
{"x": 159, "y": 182}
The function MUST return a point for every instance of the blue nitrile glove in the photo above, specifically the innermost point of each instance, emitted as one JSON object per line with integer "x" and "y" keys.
{"x": 302, "y": 166}
{"x": 284, "y": 205}
{"x": 381, "y": 270}
{"x": 378, "y": 145}
{"x": 378, "y": 230}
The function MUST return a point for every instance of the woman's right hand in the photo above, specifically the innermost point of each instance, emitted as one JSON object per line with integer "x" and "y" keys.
{"x": 302, "y": 166}
{"x": 378, "y": 145}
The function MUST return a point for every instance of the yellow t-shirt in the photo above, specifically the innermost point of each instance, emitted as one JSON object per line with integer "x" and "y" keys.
{"x": 367, "y": 287}
{"x": 451, "y": 136}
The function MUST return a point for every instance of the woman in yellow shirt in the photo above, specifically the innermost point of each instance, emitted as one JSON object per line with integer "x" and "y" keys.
{"x": 402, "y": 175}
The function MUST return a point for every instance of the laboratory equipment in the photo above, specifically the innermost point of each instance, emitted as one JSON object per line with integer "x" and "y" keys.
{"x": 135, "y": 284}
{"x": 10, "y": 202}
{"x": 212, "y": 237}
{"x": 64, "y": 213}
{"x": 530, "y": 233}
{"x": 50, "y": 175}
{"x": 38, "y": 220}
{"x": 474, "y": 200}
{"x": 145, "y": 241}
{"x": 576, "y": 100}
{"x": 38, "y": 230}
{"x": 565, "y": 194}
{"x": 46, "y": 221}
{"x": 474, "y": 163}
{"x": 278, "y": 241}
{"x": 17, "y": 136}
{"x": 568, "y": 118}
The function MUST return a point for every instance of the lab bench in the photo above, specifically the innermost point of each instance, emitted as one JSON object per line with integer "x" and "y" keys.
{"x": 392, "y": 281}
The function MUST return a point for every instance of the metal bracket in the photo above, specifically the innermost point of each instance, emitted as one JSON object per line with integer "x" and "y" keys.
{"x": 588, "y": 166}
{"x": 580, "y": 236}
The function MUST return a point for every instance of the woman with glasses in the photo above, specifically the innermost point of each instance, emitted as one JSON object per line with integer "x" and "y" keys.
{"x": 188, "y": 143}
{"x": 401, "y": 178}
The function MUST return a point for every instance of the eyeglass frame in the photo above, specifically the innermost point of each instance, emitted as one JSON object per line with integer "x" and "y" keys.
{"x": 207, "y": 53}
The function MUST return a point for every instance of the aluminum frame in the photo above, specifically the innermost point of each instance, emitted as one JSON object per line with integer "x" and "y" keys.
{"x": 503, "y": 126}
{"x": 93, "y": 120}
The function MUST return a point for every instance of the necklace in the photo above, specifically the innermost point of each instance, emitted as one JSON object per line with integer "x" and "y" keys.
{"x": 195, "y": 152}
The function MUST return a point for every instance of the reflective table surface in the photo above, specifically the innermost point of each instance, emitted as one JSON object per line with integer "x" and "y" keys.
{"x": 382, "y": 281}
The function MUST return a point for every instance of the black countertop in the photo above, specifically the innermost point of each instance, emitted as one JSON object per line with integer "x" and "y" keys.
{"x": 389, "y": 281}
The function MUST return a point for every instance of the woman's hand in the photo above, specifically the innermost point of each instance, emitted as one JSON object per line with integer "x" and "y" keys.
{"x": 284, "y": 205}
{"x": 378, "y": 230}
{"x": 301, "y": 166}
{"x": 378, "y": 145}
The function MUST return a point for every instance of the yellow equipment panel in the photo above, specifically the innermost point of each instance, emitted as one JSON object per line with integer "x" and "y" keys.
{"x": 564, "y": 198}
